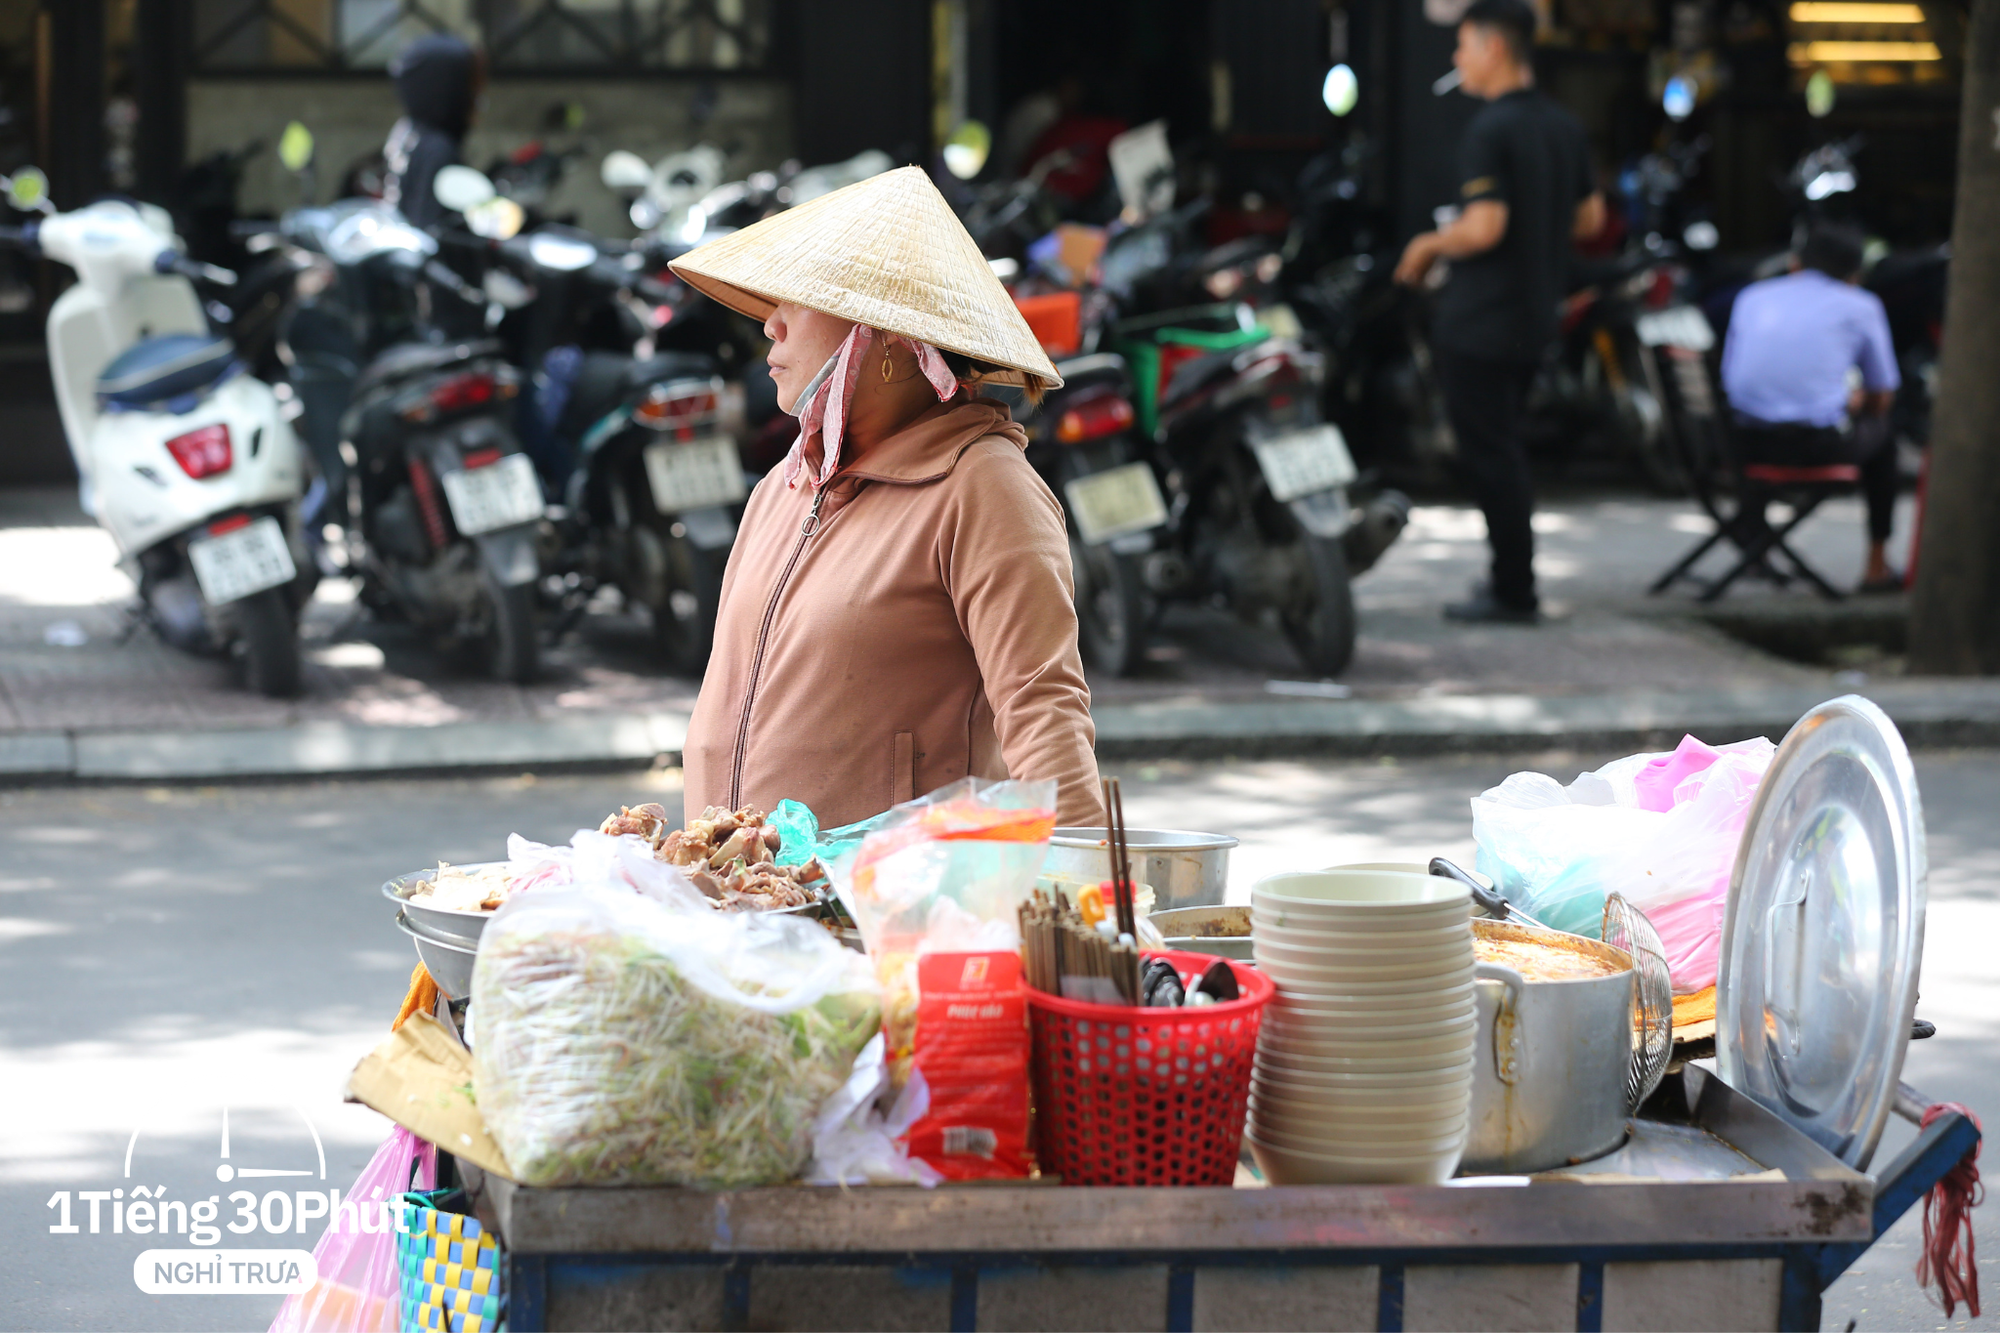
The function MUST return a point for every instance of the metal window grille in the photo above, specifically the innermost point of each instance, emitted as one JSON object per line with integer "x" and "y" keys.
{"x": 519, "y": 36}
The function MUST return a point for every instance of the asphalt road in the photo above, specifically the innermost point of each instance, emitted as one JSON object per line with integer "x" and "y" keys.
{"x": 172, "y": 957}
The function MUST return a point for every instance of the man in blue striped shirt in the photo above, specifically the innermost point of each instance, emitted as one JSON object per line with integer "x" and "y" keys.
{"x": 1792, "y": 343}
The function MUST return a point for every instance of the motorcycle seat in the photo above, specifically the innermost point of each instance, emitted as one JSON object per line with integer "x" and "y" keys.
{"x": 408, "y": 359}
{"x": 154, "y": 373}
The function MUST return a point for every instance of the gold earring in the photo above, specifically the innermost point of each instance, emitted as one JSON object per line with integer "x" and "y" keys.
{"x": 885, "y": 367}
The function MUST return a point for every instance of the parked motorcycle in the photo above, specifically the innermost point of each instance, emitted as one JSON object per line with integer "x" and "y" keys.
{"x": 1252, "y": 510}
{"x": 652, "y": 485}
{"x": 189, "y": 463}
{"x": 1081, "y": 441}
{"x": 1602, "y": 387}
{"x": 444, "y": 507}
{"x": 1258, "y": 508}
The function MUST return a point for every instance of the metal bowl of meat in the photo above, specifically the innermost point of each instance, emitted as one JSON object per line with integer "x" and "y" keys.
{"x": 448, "y": 960}
{"x": 425, "y": 907}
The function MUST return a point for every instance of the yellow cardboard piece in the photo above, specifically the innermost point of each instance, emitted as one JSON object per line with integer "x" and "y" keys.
{"x": 421, "y": 1078}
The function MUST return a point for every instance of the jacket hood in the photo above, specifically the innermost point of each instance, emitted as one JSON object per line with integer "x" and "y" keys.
{"x": 434, "y": 82}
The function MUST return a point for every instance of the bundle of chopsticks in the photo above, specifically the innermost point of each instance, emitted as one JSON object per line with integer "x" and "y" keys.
{"x": 1121, "y": 857}
{"x": 1063, "y": 956}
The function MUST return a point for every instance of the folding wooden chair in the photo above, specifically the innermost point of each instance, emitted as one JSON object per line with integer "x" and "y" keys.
{"x": 1742, "y": 518}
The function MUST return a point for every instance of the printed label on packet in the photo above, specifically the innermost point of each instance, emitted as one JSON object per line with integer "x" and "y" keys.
{"x": 972, "y": 1045}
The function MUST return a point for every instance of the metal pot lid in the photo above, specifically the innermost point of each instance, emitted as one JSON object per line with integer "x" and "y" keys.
{"x": 1824, "y": 931}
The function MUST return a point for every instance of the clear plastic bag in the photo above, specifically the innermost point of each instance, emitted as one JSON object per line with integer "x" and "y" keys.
{"x": 623, "y": 1042}
{"x": 359, "y": 1285}
{"x": 600, "y": 859}
{"x": 858, "y": 1137}
{"x": 949, "y": 871}
{"x": 1661, "y": 829}
{"x": 940, "y": 880}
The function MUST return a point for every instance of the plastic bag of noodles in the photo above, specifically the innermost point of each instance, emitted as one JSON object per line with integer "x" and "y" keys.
{"x": 621, "y": 1042}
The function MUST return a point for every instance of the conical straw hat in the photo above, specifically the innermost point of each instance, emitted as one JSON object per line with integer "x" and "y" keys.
{"x": 886, "y": 252}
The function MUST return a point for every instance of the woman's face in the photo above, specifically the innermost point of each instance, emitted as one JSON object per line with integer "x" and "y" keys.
{"x": 801, "y": 342}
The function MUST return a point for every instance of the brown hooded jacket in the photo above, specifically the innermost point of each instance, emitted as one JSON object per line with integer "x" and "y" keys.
{"x": 923, "y": 629}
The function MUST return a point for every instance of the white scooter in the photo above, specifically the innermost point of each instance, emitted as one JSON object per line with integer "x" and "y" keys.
{"x": 188, "y": 461}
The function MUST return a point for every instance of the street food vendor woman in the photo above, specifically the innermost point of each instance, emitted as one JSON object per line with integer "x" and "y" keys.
{"x": 898, "y": 609}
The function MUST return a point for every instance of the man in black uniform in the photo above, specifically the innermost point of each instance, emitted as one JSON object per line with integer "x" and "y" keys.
{"x": 1525, "y": 194}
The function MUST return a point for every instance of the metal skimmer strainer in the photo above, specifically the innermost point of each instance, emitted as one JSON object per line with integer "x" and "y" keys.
{"x": 1626, "y": 927}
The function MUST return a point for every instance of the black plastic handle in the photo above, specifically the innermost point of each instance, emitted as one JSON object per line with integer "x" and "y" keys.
{"x": 1496, "y": 906}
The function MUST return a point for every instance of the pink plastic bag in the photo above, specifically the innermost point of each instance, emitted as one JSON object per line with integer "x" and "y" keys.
{"x": 1679, "y": 875}
{"x": 1661, "y": 829}
{"x": 1658, "y": 783}
{"x": 358, "y": 1288}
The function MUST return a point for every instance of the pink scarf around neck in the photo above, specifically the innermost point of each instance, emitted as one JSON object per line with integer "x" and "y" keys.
{"x": 827, "y": 412}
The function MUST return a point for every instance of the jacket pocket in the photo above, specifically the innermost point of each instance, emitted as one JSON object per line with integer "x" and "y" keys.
{"x": 903, "y": 775}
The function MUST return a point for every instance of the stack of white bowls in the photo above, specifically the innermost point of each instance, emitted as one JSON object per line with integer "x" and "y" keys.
{"x": 1364, "y": 1061}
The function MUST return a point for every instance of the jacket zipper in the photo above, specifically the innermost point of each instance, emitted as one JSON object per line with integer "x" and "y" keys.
{"x": 806, "y": 531}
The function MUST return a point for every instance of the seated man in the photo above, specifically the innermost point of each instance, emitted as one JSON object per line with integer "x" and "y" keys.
{"x": 1792, "y": 342}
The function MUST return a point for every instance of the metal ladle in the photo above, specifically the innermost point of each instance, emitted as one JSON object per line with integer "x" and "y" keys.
{"x": 1493, "y": 903}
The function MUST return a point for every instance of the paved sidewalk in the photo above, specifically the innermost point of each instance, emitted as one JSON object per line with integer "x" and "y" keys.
{"x": 81, "y": 697}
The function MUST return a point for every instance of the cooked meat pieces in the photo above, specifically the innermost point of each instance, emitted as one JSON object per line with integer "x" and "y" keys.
{"x": 746, "y": 844}
{"x": 729, "y": 855}
{"x": 649, "y": 821}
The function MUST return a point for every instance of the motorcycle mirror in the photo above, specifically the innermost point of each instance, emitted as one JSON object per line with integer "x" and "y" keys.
{"x": 1341, "y": 91}
{"x": 1678, "y": 99}
{"x": 461, "y": 189}
{"x": 965, "y": 153}
{"x": 295, "y": 147}
{"x": 28, "y": 189}
{"x": 1819, "y": 95}
{"x": 563, "y": 254}
{"x": 497, "y": 218}
{"x": 625, "y": 173}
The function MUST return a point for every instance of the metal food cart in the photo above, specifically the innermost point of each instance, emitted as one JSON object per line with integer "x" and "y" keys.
{"x": 1731, "y": 1205}
{"x": 1675, "y": 1231}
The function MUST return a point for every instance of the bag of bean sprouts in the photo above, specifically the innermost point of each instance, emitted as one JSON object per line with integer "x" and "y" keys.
{"x": 620, "y": 1042}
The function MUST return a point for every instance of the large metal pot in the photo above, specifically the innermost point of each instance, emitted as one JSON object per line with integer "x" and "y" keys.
{"x": 1549, "y": 1062}
{"x": 1184, "y": 869}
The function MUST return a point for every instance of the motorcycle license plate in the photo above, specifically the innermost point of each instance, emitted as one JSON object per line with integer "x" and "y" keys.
{"x": 234, "y": 565}
{"x": 700, "y": 474}
{"x": 499, "y": 495}
{"x": 1300, "y": 462}
{"x": 1680, "y": 326}
{"x": 1115, "y": 503}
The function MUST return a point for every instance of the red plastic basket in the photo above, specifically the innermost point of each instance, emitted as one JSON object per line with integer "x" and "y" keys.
{"x": 1132, "y": 1096}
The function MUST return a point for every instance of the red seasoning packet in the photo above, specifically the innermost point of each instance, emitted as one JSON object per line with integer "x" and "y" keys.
{"x": 972, "y": 1047}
